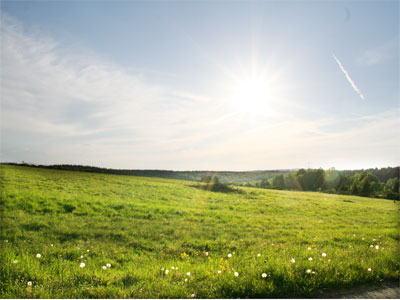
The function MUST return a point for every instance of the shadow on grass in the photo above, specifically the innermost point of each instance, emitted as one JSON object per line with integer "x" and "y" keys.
{"x": 217, "y": 187}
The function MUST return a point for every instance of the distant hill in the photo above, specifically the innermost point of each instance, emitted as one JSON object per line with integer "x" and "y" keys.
{"x": 237, "y": 178}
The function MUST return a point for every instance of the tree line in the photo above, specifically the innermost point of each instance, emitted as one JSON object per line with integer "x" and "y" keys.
{"x": 379, "y": 183}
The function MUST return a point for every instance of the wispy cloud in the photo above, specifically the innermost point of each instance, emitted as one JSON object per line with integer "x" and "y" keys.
{"x": 380, "y": 53}
{"x": 349, "y": 79}
{"x": 61, "y": 105}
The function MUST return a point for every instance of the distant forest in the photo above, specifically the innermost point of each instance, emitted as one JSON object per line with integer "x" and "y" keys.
{"x": 236, "y": 178}
{"x": 380, "y": 183}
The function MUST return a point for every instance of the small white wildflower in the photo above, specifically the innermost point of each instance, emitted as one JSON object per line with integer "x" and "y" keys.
{"x": 51, "y": 245}
{"x": 376, "y": 247}
{"x": 383, "y": 248}
{"x": 229, "y": 255}
{"x": 176, "y": 268}
{"x": 219, "y": 272}
{"x": 108, "y": 265}
{"x": 313, "y": 272}
{"x": 172, "y": 268}
{"x": 369, "y": 269}
{"x": 15, "y": 261}
{"x": 162, "y": 269}
{"x": 188, "y": 273}
{"x": 81, "y": 256}
{"x": 264, "y": 275}
{"x": 292, "y": 260}
{"x": 258, "y": 254}
{"x": 82, "y": 265}
{"x": 38, "y": 255}
{"x": 87, "y": 250}
{"x": 236, "y": 274}
{"x": 206, "y": 253}
{"x": 310, "y": 258}
{"x": 192, "y": 295}
{"x": 186, "y": 279}
{"x": 329, "y": 260}
{"x": 6, "y": 241}
{"x": 324, "y": 254}
{"x": 309, "y": 248}
{"x": 363, "y": 239}
{"x": 104, "y": 267}
{"x": 308, "y": 271}
{"x": 166, "y": 272}
{"x": 29, "y": 283}
{"x": 373, "y": 240}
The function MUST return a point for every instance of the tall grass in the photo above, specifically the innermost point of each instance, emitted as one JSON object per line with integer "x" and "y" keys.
{"x": 145, "y": 226}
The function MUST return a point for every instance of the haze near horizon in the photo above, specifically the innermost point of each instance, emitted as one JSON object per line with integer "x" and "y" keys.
{"x": 201, "y": 85}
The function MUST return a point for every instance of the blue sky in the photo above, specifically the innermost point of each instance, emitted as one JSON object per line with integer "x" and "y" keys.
{"x": 201, "y": 85}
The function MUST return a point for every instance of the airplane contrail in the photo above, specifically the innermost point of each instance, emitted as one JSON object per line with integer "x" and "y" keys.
{"x": 355, "y": 87}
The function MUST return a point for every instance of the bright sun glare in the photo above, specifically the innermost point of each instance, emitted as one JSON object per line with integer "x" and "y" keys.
{"x": 252, "y": 96}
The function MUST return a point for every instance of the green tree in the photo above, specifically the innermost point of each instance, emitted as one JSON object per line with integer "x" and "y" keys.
{"x": 278, "y": 182}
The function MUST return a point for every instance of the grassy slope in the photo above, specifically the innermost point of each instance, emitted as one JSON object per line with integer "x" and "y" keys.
{"x": 141, "y": 225}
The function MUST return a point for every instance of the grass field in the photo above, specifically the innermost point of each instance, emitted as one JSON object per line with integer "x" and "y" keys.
{"x": 143, "y": 227}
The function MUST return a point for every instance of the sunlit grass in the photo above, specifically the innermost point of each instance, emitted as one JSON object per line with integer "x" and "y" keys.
{"x": 79, "y": 235}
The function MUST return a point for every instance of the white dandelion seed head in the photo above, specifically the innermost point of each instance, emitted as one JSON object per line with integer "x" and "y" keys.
{"x": 324, "y": 254}
{"x": 229, "y": 255}
{"x": 38, "y": 255}
{"x": 104, "y": 267}
{"x": 188, "y": 273}
{"x": 310, "y": 258}
{"x": 166, "y": 272}
{"x": 308, "y": 271}
{"x": 376, "y": 247}
{"x": 108, "y": 265}
{"x": 293, "y": 260}
{"x": 29, "y": 283}
{"x": 172, "y": 268}
{"x": 369, "y": 269}
{"x": 236, "y": 274}
{"x": 264, "y": 275}
{"x": 82, "y": 265}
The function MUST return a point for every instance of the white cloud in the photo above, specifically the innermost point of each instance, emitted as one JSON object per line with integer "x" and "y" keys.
{"x": 380, "y": 53}
{"x": 61, "y": 105}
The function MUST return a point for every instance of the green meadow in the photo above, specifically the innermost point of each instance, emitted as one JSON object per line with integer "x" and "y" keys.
{"x": 164, "y": 238}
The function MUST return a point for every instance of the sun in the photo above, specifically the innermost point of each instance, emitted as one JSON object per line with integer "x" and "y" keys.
{"x": 252, "y": 95}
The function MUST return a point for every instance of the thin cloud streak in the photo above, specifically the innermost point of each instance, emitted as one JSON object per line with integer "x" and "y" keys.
{"x": 349, "y": 79}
